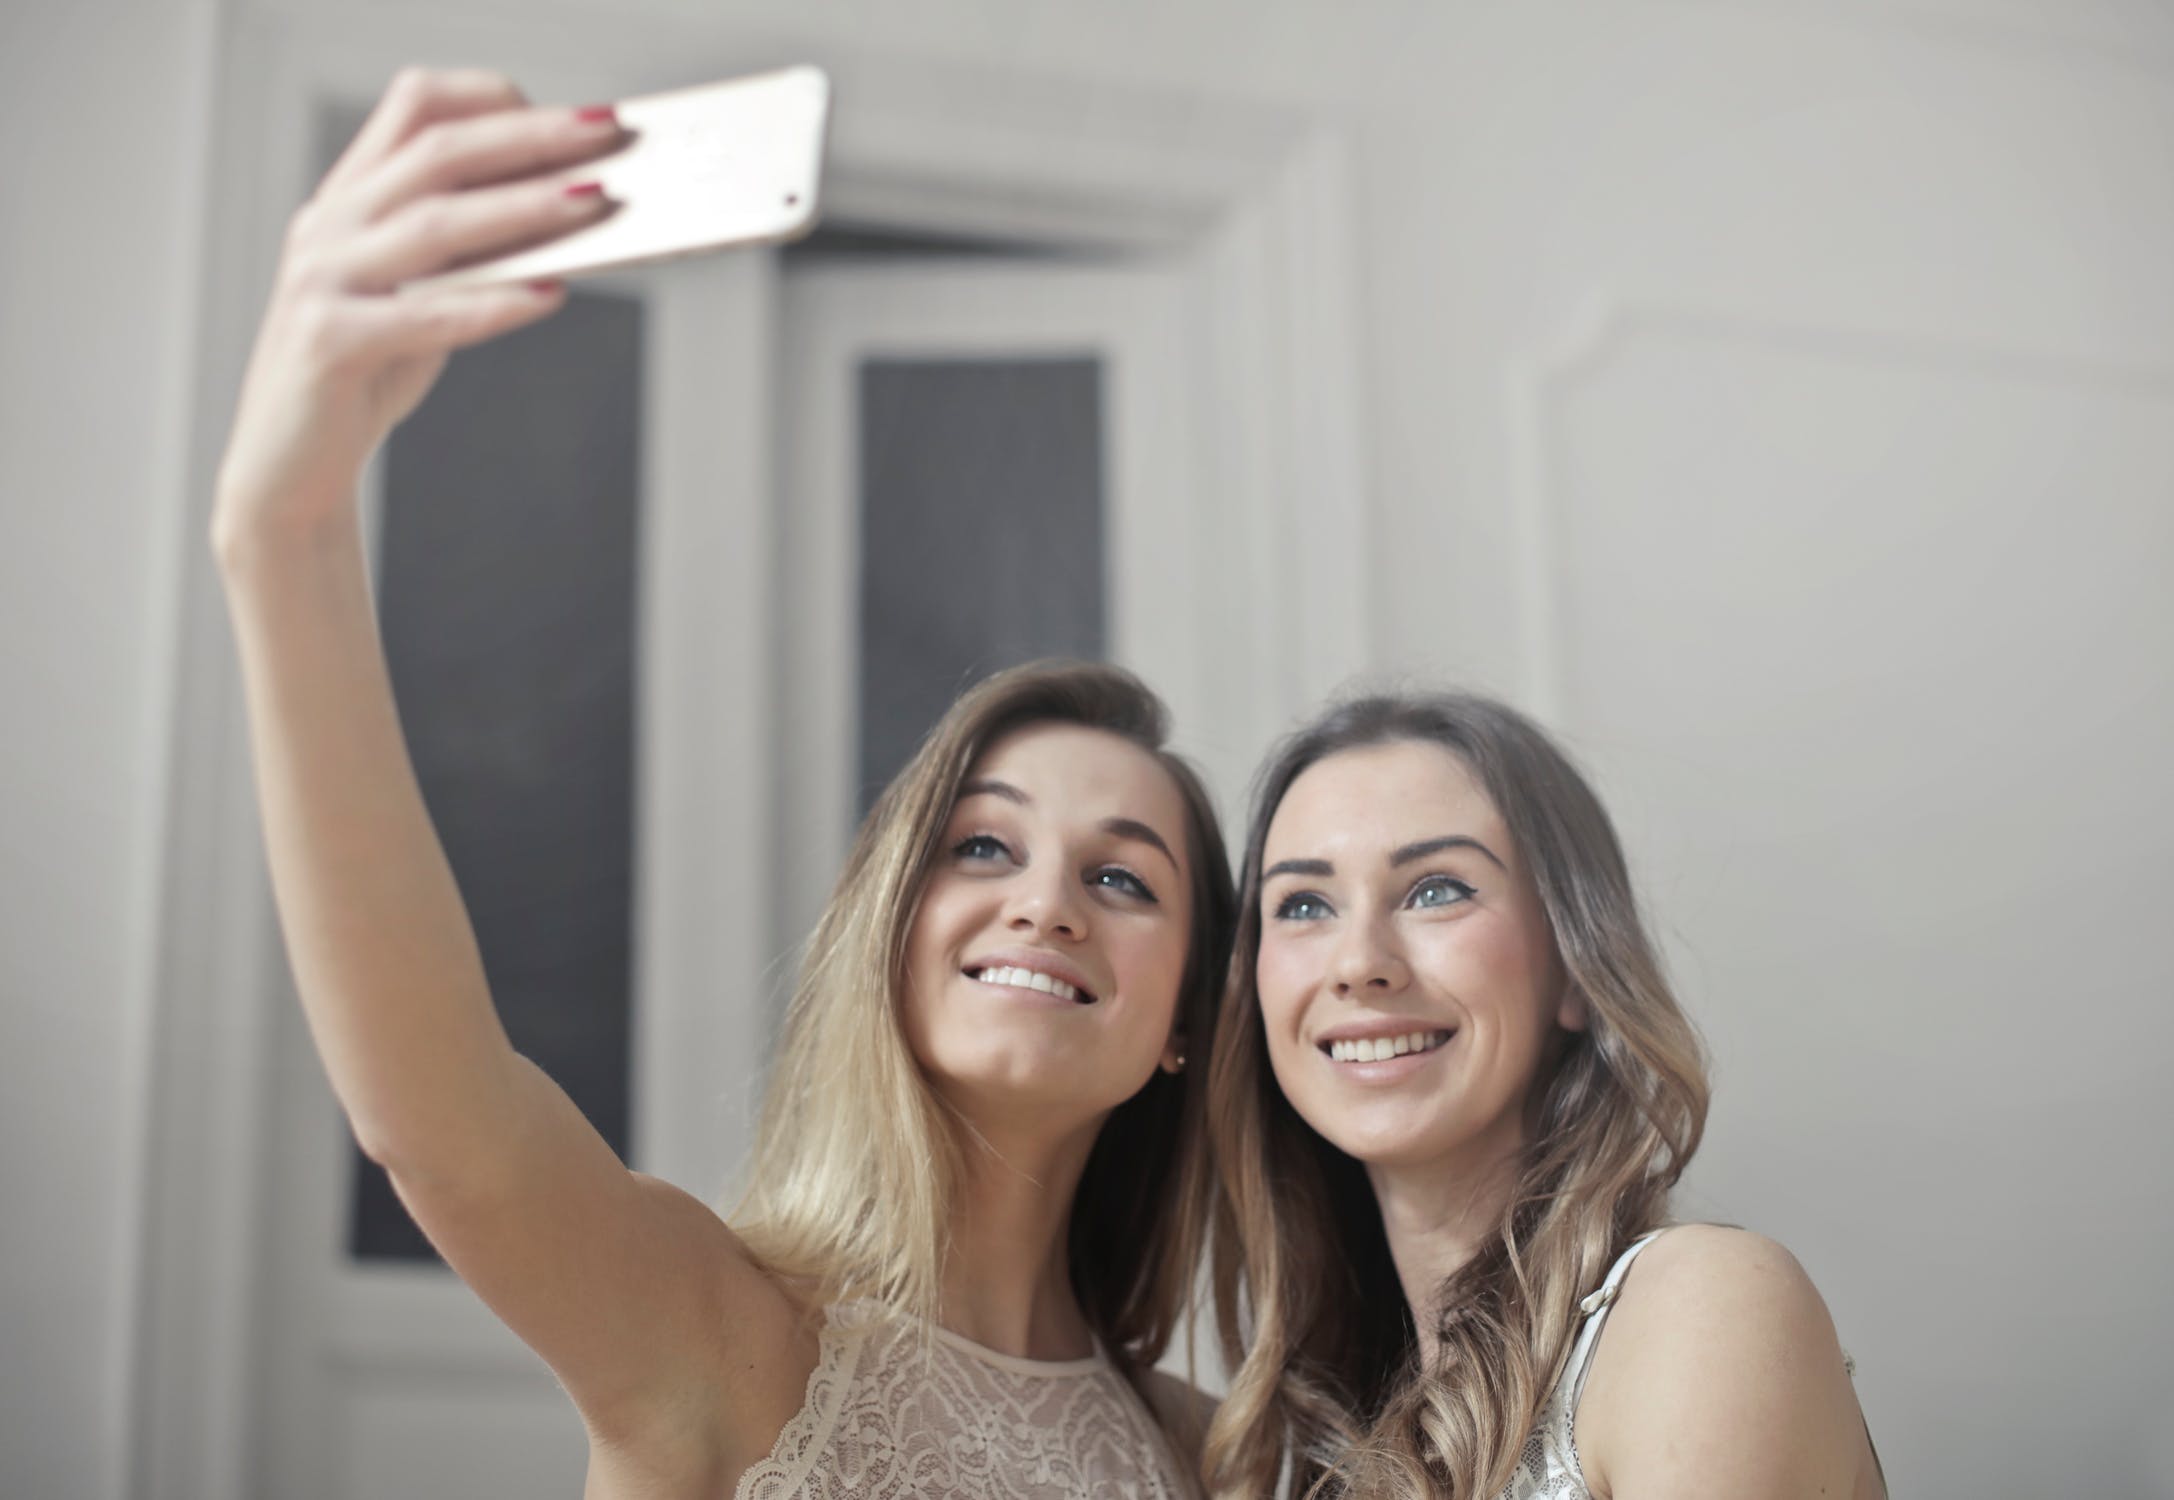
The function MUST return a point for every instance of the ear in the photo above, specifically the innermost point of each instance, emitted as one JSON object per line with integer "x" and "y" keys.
{"x": 1173, "y": 1053}
{"x": 1571, "y": 1012}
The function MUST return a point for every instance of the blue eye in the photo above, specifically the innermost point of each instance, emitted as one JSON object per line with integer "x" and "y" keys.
{"x": 1118, "y": 878}
{"x": 1437, "y": 891}
{"x": 980, "y": 846}
{"x": 1303, "y": 906}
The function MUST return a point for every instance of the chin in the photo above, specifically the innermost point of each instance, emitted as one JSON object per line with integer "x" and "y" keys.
{"x": 1046, "y": 1078}
{"x": 1392, "y": 1140}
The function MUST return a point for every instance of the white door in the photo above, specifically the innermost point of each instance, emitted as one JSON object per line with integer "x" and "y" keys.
{"x": 1009, "y": 377}
{"x": 274, "y": 1363}
{"x": 381, "y": 1378}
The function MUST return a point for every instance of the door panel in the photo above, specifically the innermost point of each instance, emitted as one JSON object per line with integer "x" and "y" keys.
{"x": 1034, "y": 419}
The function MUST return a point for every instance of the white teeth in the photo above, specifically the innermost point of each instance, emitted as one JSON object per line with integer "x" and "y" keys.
{"x": 1028, "y": 979}
{"x": 1380, "y": 1048}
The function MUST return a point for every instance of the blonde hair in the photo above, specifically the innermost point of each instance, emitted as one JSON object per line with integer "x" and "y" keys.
{"x": 1331, "y": 1376}
{"x": 857, "y": 1161}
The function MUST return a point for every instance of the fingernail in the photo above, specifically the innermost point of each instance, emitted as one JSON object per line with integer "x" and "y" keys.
{"x": 586, "y": 190}
{"x": 547, "y": 288}
{"x": 597, "y": 114}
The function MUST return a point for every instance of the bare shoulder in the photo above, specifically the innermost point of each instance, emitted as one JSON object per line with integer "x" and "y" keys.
{"x": 1719, "y": 1372}
{"x": 742, "y": 1354}
{"x": 1183, "y": 1409}
{"x": 1723, "y": 1280}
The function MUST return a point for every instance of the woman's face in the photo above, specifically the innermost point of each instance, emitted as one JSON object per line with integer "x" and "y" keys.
{"x": 1045, "y": 958}
{"x": 1409, "y": 983}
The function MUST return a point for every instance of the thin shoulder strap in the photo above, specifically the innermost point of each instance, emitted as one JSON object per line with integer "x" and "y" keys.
{"x": 1595, "y": 1309}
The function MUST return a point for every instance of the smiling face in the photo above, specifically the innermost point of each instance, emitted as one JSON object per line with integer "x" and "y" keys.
{"x": 1045, "y": 957}
{"x": 1409, "y": 985}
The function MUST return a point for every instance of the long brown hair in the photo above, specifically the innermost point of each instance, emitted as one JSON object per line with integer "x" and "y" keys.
{"x": 856, "y": 1161}
{"x": 1331, "y": 1376}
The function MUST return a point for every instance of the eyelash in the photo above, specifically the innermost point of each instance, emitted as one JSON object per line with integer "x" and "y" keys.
{"x": 1133, "y": 886}
{"x": 1138, "y": 889}
{"x": 1287, "y": 908}
{"x": 961, "y": 850}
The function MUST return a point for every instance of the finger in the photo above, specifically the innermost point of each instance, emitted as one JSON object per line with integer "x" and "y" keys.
{"x": 382, "y": 328}
{"x": 450, "y": 155}
{"x": 447, "y": 230}
{"x": 418, "y": 97}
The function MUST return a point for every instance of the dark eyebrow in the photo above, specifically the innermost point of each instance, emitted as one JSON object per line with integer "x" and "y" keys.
{"x": 1124, "y": 828}
{"x": 1133, "y": 828}
{"x": 1322, "y": 869}
{"x": 1319, "y": 867}
{"x": 1425, "y": 847}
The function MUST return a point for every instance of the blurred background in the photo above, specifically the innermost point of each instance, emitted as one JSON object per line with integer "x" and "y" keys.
{"x": 1775, "y": 397}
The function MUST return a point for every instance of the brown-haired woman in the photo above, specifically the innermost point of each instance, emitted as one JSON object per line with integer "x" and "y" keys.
{"x": 1452, "y": 1091}
{"x": 972, "y": 1219}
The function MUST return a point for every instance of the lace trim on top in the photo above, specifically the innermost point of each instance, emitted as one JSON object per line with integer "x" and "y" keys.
{"x": 887, "y": 1417}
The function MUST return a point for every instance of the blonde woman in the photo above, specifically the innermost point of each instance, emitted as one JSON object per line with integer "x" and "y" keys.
{"x": 973, "y": 1211}
{"x": 1451, "y": 1093}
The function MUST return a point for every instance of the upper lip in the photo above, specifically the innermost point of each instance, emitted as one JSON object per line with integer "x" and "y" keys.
{"x": 1041, "y": 961}
{"x": 1374, "y": 1030}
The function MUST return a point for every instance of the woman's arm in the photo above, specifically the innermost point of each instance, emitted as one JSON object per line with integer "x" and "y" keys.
{"x": 627, "y": 1287}
{"x": 1718, "y": 1375}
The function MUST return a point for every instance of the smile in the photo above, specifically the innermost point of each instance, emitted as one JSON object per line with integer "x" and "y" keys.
{"x": 1011, "y": 976}
{"x": 1382, "y": 1048}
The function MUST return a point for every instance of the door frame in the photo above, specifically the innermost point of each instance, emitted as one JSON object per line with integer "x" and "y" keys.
{"x": 1255, "y": 198}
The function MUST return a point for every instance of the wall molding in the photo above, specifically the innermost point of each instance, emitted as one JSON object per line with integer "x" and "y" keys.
{"x": 1602, "y": 325}
{"x": 2049, "y": 30}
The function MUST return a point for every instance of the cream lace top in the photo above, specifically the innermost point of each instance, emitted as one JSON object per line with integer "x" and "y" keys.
{"x": 882, "y": 1422}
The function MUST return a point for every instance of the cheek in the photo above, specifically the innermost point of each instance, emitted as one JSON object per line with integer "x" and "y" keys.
{"x": 928, "y": 956}
{"x": 1150, "y": 963}
{"x": 1489, "y": 966}
{"x": 1284, "y": 974}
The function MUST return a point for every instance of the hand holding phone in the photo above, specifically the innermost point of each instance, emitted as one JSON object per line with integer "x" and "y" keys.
{"x": 733, "y": 163}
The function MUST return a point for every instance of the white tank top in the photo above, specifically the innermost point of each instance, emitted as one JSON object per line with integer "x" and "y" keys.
{"x": 1548, "y": 1469}
{"x": 884, "y": 1421}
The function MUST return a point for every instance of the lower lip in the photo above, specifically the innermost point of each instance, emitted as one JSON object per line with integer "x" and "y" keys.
{"x": 1029, "y": 994}
{"x": 1387, "y": 1069}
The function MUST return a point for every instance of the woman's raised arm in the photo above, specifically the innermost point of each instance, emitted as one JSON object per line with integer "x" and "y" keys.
{"x": 627, "y": 1287}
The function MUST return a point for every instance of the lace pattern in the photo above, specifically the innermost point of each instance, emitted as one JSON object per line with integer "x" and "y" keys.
{"x": 1547, "y": 1468}
{"x": 883, "y": 1420}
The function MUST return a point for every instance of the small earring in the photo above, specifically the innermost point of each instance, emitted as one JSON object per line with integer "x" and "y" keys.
{"x": 1181, "y": 1063}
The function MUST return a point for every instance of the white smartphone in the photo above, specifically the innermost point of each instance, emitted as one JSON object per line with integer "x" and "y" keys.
{"x": 733, "y": 163}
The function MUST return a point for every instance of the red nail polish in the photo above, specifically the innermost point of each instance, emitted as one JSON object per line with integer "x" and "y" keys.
{"x": 586, "y": 190}
{"x": 546, "y": 288}
{"x": 597, "y": 114}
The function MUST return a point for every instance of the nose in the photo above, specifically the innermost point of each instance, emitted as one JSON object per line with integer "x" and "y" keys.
{"x": 1368, "y": 962}
{"x": 1045, "y": 902}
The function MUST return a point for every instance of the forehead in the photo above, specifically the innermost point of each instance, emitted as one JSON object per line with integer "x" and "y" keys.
{"x": 1076, "y": 774}
{"x": 1367, "y": 801}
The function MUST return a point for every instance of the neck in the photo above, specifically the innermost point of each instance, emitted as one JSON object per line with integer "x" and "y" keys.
{"x": 1438, "y": 1217}
{"x": 1007, "y": 1278}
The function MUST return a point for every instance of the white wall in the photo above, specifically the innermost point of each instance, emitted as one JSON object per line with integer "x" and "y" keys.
{"x": 97, "y": 267}
{"x": 1775, "y": 394}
